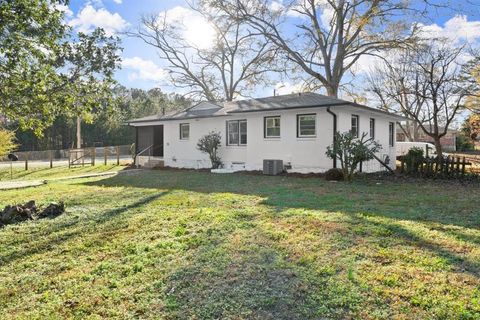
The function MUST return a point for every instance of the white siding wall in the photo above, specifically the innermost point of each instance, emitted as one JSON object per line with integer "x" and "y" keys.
{"x": 381, "y": 134}
{"x": 304, "y": 154}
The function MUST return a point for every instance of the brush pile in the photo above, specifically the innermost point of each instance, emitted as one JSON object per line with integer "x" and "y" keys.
{"x": 30, "y": 211}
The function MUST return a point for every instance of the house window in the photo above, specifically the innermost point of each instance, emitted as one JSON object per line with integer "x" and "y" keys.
{"x": 354, "y": 129}
{"x": 272, "y": 127}
{"x": 306, "y": 125}
{"x": 184, "y": 131}
{"x": 372, "y": 128}
{"x": 237, "y": 132}
{"x": 391, "y": 133}
{"x": 243, "y": 132}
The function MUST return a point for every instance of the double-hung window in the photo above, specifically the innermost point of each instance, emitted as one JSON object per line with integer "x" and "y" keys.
{"x": 237, "y": 132}
{"x": 272, "y": 127}
{"x": 354, "y": 130}
{"x": 372, "y": 128}
{"x": 184, "y": 131}
{"x": 391, "y": 134}
{"x": 306, "y": 125}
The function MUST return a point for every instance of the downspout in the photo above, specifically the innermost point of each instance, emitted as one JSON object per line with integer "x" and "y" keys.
{"x": 136, "y": 147}
{"x": 334, "y": 132}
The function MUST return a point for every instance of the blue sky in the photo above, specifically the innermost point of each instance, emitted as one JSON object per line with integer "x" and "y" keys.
{"x": 142, "y": 69}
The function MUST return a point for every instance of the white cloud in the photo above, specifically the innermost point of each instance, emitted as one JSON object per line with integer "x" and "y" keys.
{"x": 144, "y": 69}
{"x": 118, "y": 1}
{"x": 195, "y": 29}
{"x": 90, "y": 18}
{"x": 456, "y": 29}
{"x": 366, "y": 63}
{"x": 287, "y": 88}
{"x": 65, "y": 9}
{"x": 297, "y": 10}
{"x": 276, "y": 6}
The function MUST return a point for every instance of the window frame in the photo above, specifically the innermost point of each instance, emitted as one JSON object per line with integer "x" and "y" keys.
{"x": 265, "y": 119}
{"x": 372, "y": 130}
{"x": 180, "y": 128}
{"x": 391, "y": 134}
{"x": 238, "y": 122}
{"x": 357, "y": 132}
{"x": 299, "y": 135}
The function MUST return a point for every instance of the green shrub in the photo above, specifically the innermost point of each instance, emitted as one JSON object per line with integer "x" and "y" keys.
{"x": 209, "y": 144}
{"x": 351, "y": 150}
{"x": 464, "y": 143}
{"x": 414, "y": 159}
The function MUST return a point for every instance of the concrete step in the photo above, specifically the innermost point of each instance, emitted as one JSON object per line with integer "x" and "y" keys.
{"x": 154, "y": 163}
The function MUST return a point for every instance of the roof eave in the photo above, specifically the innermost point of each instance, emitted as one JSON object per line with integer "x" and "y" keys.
{"x": 178, "y": 119}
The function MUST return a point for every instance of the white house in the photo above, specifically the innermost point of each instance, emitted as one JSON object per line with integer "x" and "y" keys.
{"x": 295, "y": 128}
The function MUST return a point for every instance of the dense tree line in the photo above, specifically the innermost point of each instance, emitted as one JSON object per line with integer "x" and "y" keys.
{"x": 106, "y": 127}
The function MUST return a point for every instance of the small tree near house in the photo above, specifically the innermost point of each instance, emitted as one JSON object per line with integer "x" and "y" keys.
{"x": 7, "y": 142}
{"x": 350, "y": 151}
{"x": 209, "y": 144}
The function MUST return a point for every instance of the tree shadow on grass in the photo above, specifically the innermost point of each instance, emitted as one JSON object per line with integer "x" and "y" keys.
{"x": 244, "y": 274}
{"x": 391, "y": 200}
{"x": 236, "y": 269}
{"x": 21, "y": 174}
{"x": 403, "y": 235}
{"x": 55, "y": 234}
{"x": 283, "y": 193}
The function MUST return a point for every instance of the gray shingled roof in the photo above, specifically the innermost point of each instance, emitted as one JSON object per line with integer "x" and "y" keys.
{"x": 283, "y": 102}
{"x": 289, "y": 101}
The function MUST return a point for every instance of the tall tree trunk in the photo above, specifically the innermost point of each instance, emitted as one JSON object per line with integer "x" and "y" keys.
{"x": 416, "y": 129}
{"x": 332, "y": 92}
{"x": 438, "y": 146}
{"x": 79, "y": 132}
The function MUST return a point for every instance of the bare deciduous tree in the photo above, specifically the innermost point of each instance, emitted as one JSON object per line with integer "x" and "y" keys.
{"x": 393, "y": 84}
{"x": 237, "y": 61}
{"x": 329, "y": 36}
{"x": 428, "y": 87}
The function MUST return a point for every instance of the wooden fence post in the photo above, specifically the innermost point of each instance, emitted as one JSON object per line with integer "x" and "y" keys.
{"x": 26, "y": 161}
{"x": 51, "y": 159}
{"x": 402, "y": 164}
{"x": 93, "y": 156}
{"x": 463, "y": 166}
{"x": 105, "y": 155}
{"x": 458, "y": 166}
{"x": 117, "y": 149}
{"x": 69, "y": 158}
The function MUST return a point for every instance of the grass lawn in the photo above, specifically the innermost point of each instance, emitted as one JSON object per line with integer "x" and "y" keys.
{"x": 178, "y": 245}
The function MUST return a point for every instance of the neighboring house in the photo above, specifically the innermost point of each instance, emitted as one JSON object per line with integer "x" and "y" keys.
{"x": 295, "y": 128}
{"x": 448, "y": 141}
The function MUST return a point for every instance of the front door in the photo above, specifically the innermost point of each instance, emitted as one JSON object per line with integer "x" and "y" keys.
{"x": 157, "y": 150}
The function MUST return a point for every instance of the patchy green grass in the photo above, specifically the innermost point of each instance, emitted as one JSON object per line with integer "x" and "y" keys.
{"x": 56, "y": 172}
{"x": 177, "y": 245}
